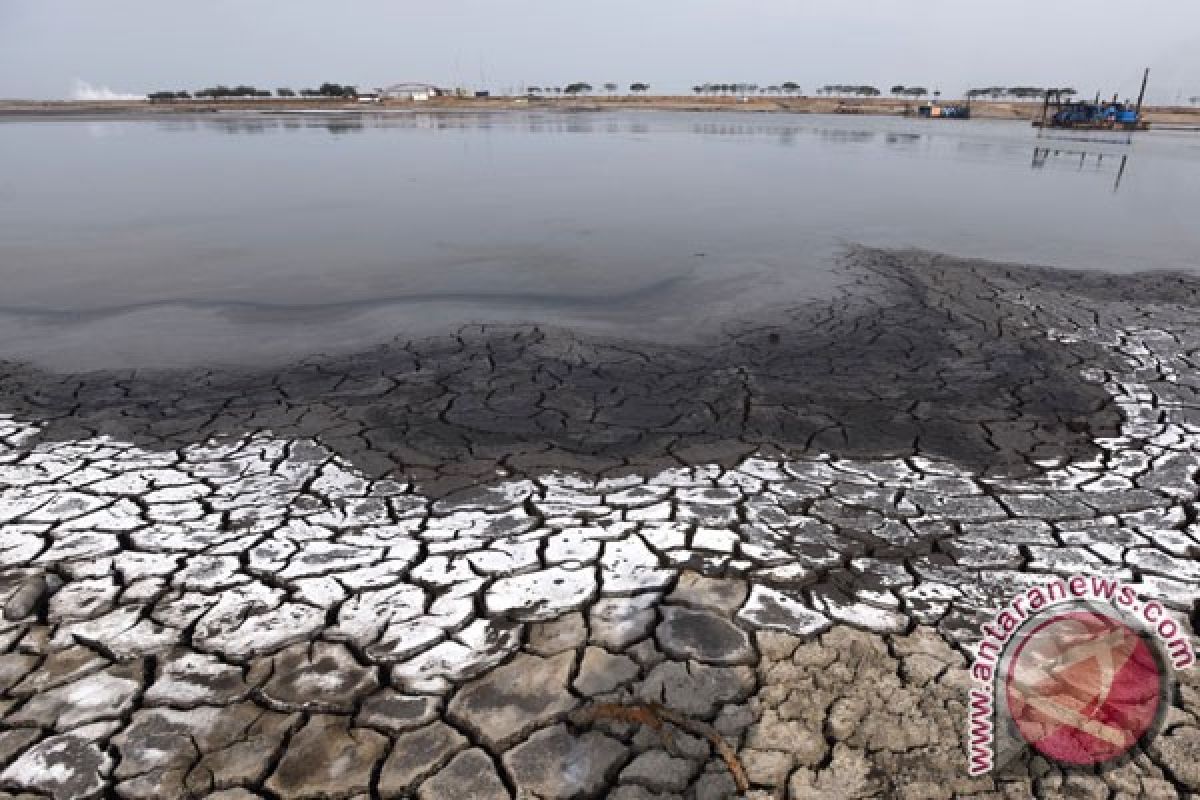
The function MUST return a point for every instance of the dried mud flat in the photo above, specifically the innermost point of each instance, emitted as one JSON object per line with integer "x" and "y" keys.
{"x": 411, "y": 572}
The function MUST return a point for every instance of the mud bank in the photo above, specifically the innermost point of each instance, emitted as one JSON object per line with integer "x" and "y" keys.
{"x": 290, "y": 583}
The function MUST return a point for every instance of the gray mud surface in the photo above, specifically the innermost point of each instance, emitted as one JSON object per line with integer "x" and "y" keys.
{"x": 404, "y": 573}
{"x": 904, "y": 363}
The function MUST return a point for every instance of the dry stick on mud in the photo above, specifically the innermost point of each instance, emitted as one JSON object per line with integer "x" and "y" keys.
{"x": 655, "y": 716}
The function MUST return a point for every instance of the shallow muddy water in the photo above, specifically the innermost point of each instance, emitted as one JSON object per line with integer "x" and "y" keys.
{"x": 257, "y": 239}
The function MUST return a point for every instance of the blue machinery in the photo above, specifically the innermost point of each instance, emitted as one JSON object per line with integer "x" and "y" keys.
{"x": 1093, "y": 116}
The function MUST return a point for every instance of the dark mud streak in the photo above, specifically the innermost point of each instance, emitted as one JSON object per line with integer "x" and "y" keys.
{"x": 919, "y": 356}
{"x": 250, "y": 311}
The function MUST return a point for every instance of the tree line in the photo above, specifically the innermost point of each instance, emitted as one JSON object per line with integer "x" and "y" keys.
{"x": 838, "y": 89}
{"x": 788, "y": 87}
{"x": 222, "y": 92}
{"x": 842, "y": 89}
{"x": 583, "y": 87}
{"x": 1018, "y": 92}
{"x": 900, "y": 90}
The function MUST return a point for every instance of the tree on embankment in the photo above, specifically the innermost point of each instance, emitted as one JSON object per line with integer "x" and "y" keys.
{"x": 849, "y": 89}
{"x": 160, "y": 97}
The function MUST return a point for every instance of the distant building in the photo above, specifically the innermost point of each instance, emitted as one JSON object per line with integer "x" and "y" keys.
{"x": 413, "y": 92}
{"x": 368, "y": 95}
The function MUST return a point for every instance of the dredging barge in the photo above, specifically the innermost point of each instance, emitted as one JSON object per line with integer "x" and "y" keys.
{"x": 1095, "y": 116}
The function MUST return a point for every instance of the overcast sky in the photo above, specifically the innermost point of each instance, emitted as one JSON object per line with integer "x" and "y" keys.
{"x": 144, "y": 45}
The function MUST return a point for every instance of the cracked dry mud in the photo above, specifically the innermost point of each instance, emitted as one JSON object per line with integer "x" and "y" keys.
{"x": 402, "y": 573}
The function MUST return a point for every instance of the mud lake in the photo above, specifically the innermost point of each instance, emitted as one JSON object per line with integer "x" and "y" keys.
{"x": 237, "y": 238}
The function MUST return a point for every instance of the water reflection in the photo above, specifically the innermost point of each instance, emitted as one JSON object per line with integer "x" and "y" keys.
{"x": 578, "y": 123}
{"x": 846, "y": 137}
{"x": 1082, "y": 160}
{"x": 338, "y": 123}
{"x": 1093, "y": 137}
{"x": 574, "y": 206}
{"x": 784, "y": 133}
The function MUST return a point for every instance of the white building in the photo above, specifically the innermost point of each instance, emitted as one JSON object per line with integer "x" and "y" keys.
{"x": 413, "y": 92}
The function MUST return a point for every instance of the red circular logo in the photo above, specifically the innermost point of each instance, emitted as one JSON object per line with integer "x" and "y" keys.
{"x": 1083, "y": 688}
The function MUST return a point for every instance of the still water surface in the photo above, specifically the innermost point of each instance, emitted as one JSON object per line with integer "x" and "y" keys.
{"x": 236, "y": 238}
